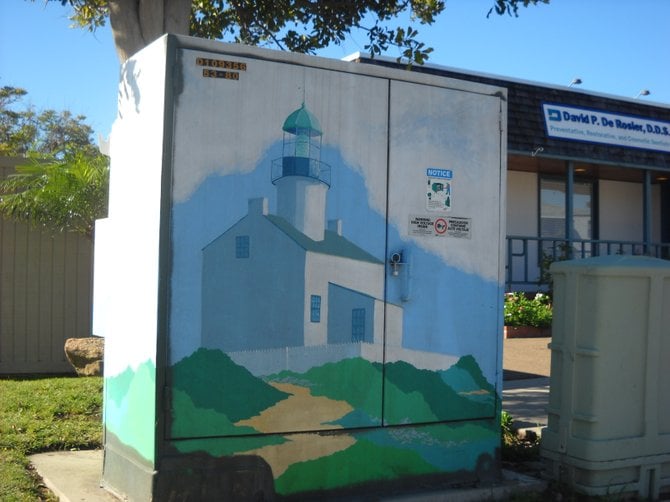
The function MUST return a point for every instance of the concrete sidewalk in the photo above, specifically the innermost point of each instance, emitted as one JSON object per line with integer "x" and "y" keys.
{"x": 526, "y": 365}
{"x": 74, "y": 476}
{"x": 526, "y": 401}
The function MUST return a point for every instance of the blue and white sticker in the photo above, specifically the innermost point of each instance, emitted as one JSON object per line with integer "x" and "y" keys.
{"x": 428, "y": 225}
{"x": 439, "y": 189}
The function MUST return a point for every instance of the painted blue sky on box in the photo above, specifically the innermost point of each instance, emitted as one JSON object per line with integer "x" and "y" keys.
{"x": 434, "y": 319}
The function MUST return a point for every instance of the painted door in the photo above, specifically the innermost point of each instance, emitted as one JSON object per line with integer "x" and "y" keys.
{"x": 277, "y": 248}
{"x": 444, "y": 235}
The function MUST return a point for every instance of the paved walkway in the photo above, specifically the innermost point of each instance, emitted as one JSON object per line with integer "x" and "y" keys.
{"x": 526, "y": 365}
{"x": 526, "y": 401}
{"x": 527, "y": 357}
{"x": 73, "y": 476}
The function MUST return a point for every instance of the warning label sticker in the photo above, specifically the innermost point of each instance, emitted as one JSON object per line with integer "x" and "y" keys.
{"x": 439, "y": 189}
{"x": 439, "y": 226}
{"x": 458, "y": 227}
{"x": 421, "y": 225}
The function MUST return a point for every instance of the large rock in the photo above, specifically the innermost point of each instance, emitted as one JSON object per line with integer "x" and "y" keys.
{"x": 85, "y": 355}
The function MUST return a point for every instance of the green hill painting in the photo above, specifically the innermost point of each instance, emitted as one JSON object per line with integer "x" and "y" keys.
{"x": 445, "y": 419}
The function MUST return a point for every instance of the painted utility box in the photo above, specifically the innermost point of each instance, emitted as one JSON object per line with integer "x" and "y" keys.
{"x": 300, "y": 279}
{"x": 609, "y": 407}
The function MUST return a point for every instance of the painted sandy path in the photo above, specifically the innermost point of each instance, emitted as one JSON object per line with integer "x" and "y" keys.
{"x": 300, "y": 412}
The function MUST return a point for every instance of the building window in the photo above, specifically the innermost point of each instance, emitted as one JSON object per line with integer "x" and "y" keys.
{"x": 357, "y": 325}
{"x": 315, "y": 309}
{"x": 242, "y": 246}
{"x": 553, "y": 217}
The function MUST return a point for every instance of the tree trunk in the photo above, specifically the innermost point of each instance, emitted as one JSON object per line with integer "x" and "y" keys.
{"x": 137, "y": 23}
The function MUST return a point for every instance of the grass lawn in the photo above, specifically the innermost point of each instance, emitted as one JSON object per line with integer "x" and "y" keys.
{"x": 44, "y": 414}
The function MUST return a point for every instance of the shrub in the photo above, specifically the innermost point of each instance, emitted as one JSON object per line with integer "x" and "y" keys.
{"x": 520, "y": 310}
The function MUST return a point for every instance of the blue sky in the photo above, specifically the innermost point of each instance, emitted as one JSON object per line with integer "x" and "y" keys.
{"x": 617, "y": 47}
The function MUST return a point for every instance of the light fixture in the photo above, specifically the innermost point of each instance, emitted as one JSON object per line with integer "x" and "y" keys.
{"x": 643, "y": 92}
{"x": 575, "y": 81}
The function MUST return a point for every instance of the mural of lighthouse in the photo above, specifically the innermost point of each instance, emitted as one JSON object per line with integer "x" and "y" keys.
{"x": 329, "y": 275}
{"x": 295, "y": 303}
{"x": 285, "y": 279}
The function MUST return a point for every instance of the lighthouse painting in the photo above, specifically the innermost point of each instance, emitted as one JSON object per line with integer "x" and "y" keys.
{"x": 302, "y": 306}
{"x": 289, "y": 279}
{"x": 301, "y": 178}
{"x": 321, "y": 323}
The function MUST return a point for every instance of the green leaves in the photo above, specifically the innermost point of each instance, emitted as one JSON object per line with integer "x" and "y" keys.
{"x": 304, "y": 25}
{"x": 89, "y": 14}
{"x": 522, "y": 310}
{"x": 63, "y": 184}
{"x": 511, "y": 7}
{"x": 48, "y": 132}
{"x": 59, "y": 194}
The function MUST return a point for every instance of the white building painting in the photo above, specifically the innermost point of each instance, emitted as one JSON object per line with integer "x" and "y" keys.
{"x": 288, "y": 280}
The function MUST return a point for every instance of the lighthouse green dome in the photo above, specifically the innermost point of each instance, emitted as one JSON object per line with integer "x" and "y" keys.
{"x": 302, "y": 121}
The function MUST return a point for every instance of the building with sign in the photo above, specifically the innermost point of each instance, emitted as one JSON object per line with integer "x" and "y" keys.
{"x": 587, "y": 174}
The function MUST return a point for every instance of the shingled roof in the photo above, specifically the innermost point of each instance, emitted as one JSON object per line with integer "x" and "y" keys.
{"x": 526, "y": 129}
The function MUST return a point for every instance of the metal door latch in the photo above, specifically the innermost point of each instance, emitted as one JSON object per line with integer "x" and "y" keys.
{"x": 396, "y": 261}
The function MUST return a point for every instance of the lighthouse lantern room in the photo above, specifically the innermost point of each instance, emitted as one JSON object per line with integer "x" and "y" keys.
{"x": 300, "y": 176}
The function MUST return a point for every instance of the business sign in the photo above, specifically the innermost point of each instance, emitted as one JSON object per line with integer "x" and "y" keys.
{"x": 596, "y": 126}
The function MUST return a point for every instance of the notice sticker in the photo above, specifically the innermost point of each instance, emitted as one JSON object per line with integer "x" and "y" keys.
{"x": 439, "y": 189}
{"x": 439, "y": 226}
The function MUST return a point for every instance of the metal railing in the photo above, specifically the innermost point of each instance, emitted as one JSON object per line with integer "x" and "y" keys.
{"x": 300, "y": 166}
{"x": 529, "y": 258}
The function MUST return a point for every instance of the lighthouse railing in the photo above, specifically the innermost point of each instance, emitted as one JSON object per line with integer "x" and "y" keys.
{"x": 300, "y": 166}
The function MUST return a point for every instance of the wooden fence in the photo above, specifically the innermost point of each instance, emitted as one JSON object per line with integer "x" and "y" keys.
{"x": 45, "y": 294}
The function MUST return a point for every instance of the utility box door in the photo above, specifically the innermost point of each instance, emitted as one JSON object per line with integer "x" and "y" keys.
{"x": 444, "y": 222}
{"x": 335, "y": 249}
{"x": 278, "y": 248}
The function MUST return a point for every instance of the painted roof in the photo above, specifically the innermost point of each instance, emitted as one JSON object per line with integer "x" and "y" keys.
{"x": 333, "y": 244}
{"x": 302, "y": 120}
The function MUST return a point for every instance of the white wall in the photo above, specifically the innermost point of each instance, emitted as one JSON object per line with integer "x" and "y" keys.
{"x": 620, "y": 209}
{"x": 522, "y": 203}
{"x": 522, "y": 218}
{"x": 127, "y": 242}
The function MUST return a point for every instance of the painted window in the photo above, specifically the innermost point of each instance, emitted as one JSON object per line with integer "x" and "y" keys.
{"x": 358, "y": 325}
{"x": 315, "y": 309}
{"x": 242, "y": 246}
